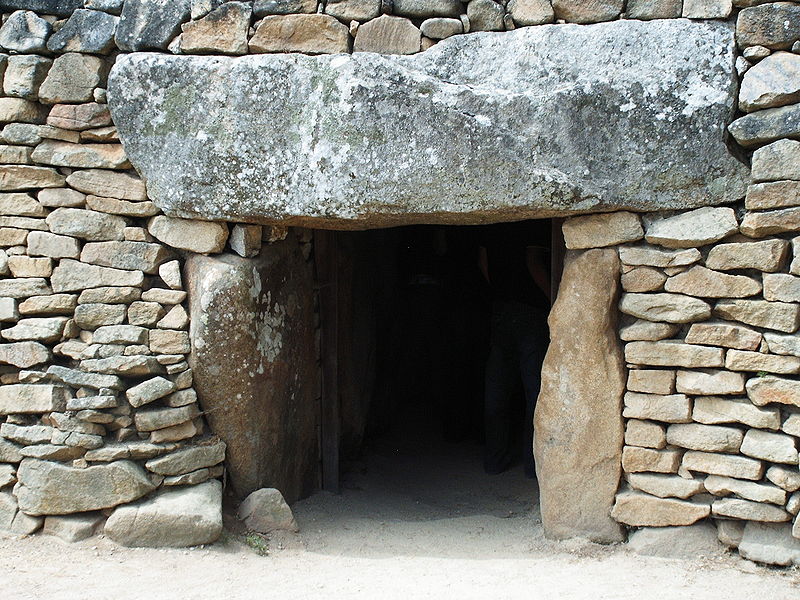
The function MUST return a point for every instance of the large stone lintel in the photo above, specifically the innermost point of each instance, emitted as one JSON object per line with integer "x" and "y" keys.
{"x": 557, "y": 119}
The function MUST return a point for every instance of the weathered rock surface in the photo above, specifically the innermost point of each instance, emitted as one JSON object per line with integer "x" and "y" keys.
{"x": 723, "y": 334}
{"x": 89, "y": 31}
{"x": 174, "y": 517}
{"x": 775, "y": 81}
{"x": 690, "y": 542}
{"x": 707, "y": 283}
{"x": 768, "y": 256}
{"x": 578, "y": 453}
{"x": 772, "y": 544}
{"x": 265, "y": 510}
{"x": 693, "y": 228}
{"x": 764, "y": 126}
{"x": 150, "y": 24}
{"x": 642, "y": 510}
{"x": 73, "y": 528}
{"x": 255, "y": 367}
{"x": 312, "y": 34}
{"x": 49, "y": 488}
{"x": 598, "y": 231}
{"x": 780, "y": 160}
{"x": 774, "y": 25}
{"x": 606, "y": 158}
{"x": 388, "y": 35}
{"x": 672, "y": 308}
{"x": 222, "y": 31}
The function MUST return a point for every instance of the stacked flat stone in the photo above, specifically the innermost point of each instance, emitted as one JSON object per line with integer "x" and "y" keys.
{"x": 97, "y": 404}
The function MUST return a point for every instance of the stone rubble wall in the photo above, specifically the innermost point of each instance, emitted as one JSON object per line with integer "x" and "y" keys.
{"x": 710, "y": 312}
{"x": 98, "y": 414}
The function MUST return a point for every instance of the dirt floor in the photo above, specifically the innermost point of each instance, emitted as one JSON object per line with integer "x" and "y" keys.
{"x": 398, "y": 530}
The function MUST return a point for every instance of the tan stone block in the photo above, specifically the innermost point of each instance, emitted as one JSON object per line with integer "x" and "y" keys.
{"x": 791, "y": 425}
{"x": 636, "y": 460}
{"x": 780, "y": 287}
{"x": 774, "y": 447}
{"x": 703, "y": 282}
{"x": 653, "y": 381}
{"x": 21, "y": 205}
{"x": 775, "y": 194}
{"x": 672, "y": 308}
{"x": 693, "y": 228}
{"x": 784, "y": 477}
{"x": 27, "y": 177}
{"x": 310, "y": 34}
{"x": 25, "y": 266}
{"x": 673, "y": 354}
{"x": 735, "y": 508}
{"x": 108, "y": 184}
{"x": 642, "y": 330}
{"x": 767, "y": 256}
{"x": 643, "y": 510}
{"x": 770, "y": 315}
{"x": 707, "y": 438}
{"x": 645, "y": 434}
{"x": 388, "y": 35}
{"x": 222, "y": 31}
{"x": 727, "y": 335}
{"x": 665, "y": 486}
{"x": 726, "y": 465}
{"x": 656, "y": 257}
{"x": 675, "y": 408}
{"x": 713, "y": 411}
{"x": 203, "y": 237}
{"x": 709, "y": 383}
{"x": 761, "y": 224}
{"x": 740, "y": 360}
{"x": 167, "y": 341}
{"x": 643, "y": 279}
{"x": 770, "y": 389}
{"x": 602, "y": 230}
{"x": 81, "y": 156}
{"x": 757, "y": 492}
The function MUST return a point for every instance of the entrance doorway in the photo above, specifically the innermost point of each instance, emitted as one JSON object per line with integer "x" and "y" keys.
{"x": 405, "y": 315}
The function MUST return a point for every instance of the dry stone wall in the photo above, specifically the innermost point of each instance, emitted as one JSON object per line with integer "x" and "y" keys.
{"x": 98, "y": 413}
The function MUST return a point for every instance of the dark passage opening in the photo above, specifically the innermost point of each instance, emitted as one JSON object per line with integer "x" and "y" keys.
{"x": 419, "y": 312}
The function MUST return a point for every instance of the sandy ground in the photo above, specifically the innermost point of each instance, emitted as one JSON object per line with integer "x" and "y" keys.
{"x": 398, "y": 530}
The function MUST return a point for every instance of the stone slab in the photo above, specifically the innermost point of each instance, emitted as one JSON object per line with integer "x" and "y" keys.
{"x": 207, "y": 162}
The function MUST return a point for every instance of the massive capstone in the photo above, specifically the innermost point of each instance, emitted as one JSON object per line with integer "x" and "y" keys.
{"x": 491, "y": 126}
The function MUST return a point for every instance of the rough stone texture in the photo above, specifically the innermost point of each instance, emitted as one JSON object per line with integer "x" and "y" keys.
{"x": 89, "y": 31}
{"x": 750, "y": 511}
{"x": 706, "y": 283}
{"x": 673, "y": 354}
{"x": 357, "y": 10}
{"x": 643, "y": 279}
{"x": 673, "y": 408}
{"x": 641, "y": 330}
{"x": 439, "y": 28}
{"x": 578, "y": 451}
{"x": 644, "y": 433}
{"x": 25, "y": 398}
{"x": 726, "y": 465}
{"x": 198, "y": 236}
{"x": 587, "y": 11}
{"x": 485, "y": 15}
{"x": 606, "y": 158}
{"x": 774, "y": 194}
{"x": 49, "y": 488}
{"x": 775, "y": 81}
{"x": 108, "y": 184}
{"x": 766, "y": 126}
{"x": 782, "y": 344}
{"x": 768, "y": 256}
{"x": 636, "y": 460}
{"x": 777, "y": 161}
{"x": 774, "y": 447}
{"x": 707, "y": 438}
{"x": 72, "y": 78}
{"x": 388, "y": 35}
{"x": 24, "y": 31}
{"x": 73, "y": 528}
{"x": 775, "y": 25}
{"x": 255, "y": 367}
{"x": 712, "y": 410}
{"x": 150, "y": 24}
{"x": 707, "y": 9}
{"x": 772, "y": 544}
{"x": 727, "y": 335}
{"x": 693, "y": 542}
{"x": 651, "y": 381}
{"x": 769, "y": 389}
{"x": 672, "y": 308}
{"x": 312, "y": 34}
{"x": 757, "y": 492}
{"x": 176, "y": 517}
{"x": 265, "y": 511}
{"x": 665, "y": 486}
{"x": 531, "y": 12}
{"x": 654, "y": 9}
{"x": 694, "y": 228}
{"x": 710, "y": 383}
{"x": 780, "y": 316}
{"x": 642, "y": 510}
{"x": 222, "y": 31}
{"x": 188, "y": 459}
{"x": 599, "y": 231}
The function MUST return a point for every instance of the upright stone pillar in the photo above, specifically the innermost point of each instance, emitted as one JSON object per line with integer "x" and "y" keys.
{"x": 578, "y": 429}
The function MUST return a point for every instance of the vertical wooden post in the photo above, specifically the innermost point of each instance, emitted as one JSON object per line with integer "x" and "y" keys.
{"x": 326, "y": 257}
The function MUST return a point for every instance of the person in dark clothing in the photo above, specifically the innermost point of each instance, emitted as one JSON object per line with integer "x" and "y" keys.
{"x": 515, "y": 262}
